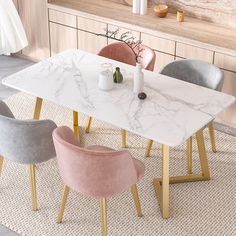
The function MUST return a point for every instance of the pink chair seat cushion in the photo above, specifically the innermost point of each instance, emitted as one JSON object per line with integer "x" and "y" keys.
{"x": 93, "y": 172}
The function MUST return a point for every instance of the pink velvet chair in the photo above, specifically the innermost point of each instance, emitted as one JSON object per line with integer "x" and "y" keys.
{"x": 121, "y": 52}
{"x": 95, "y": 171}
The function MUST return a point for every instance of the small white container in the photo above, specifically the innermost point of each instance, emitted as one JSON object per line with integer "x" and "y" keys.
{"x": 105, "y": 80}
{"x": 143, "y": 7}
{"x": 136, "y": 6}
{"x": 138, "y": 83}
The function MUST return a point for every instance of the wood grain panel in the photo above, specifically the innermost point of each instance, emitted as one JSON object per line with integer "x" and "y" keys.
{"x": 62, "y": 38}
{"x": 62, "y": 18}
{"x": 228, "y": 116}
{"x": 90, "y": 42}
{"x": 34, "y": 17}
{"x": 192, "y": 52}
{"x": 91, "y": 25}
{"x": 162, "y": 60}
{"x": 225, "y": 61}
{"x": 159, "y": 44}
{"x": 122, "y": 30}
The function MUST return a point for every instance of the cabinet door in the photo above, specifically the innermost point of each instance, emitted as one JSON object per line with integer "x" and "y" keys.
{"x": 162, "y": 59}
{"x": 225, "y": 61}
{"x": 192, "y": 52}
{"x": 90, "y": 42}
{"x": 135, "y": 34}
{"x": 228, "y": 116}
{"x": 62, "y": 38}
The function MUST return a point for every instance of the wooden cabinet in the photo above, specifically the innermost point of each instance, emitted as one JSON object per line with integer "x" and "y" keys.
{"x": 158, "y": 44}
{"x": 225, "y": 61}
{"x": 62, "y": 38}
{"x": 90, "y": 42}
{"x": 228, "y": 116}
{"x": 133, "y": 33}
{"x": 62, "y": 18}
{"x": 192, "y": 52}
{"x": 34, "y": 16}
{"x": 162, "y": 59}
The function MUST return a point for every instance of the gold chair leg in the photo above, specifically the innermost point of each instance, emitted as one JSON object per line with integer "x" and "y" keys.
{"x": 203, "y": 155}
{"x": 37, "y": 109}
{"x": 190, "y": 155}
{"x": 123, "y": 134}
{"x": 33, "y": 186}
{"x": 63, "y": 204}
{"x": 89, "y": 122}
{"x": 103, "y": 207}
{"x": 212, "y": 137}
{"x": 76, "y": 125}
{"x": 165, "y": 181}
{"x": 1, "y": 164}
{"x": 134, "y": 192}
{"x": 149, "y": 147}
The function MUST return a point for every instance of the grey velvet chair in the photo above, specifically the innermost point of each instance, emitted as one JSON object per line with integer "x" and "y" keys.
{"x": 26, "y": 142}
{"x": 197, "y": 72}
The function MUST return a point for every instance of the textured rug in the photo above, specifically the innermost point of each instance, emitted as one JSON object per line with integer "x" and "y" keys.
{"x": 201, "y": 208}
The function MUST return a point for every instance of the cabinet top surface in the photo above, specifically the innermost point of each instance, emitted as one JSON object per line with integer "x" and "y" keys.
{"x": 194, "y": 30}
{"x": 172, "y": 112}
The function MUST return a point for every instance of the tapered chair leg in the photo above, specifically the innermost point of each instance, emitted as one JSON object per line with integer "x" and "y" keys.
{"x": 76, "y": 125}
{"x": 33, "y": 186}
{"x": 103, "y": 207}
{"x": 123, "y": 134}
{"x": 149, "y": 147}
{"x": 134, "y": 192}
{"x": 63, "y": 204}
{"x": 1, "y": 164}
{"x": 89, "y": 122}
{"x": 190, "y": 155}
{"x": 212, "y": 137}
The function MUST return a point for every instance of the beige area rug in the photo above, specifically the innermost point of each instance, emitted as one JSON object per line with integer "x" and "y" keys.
{"x": 201, "y": 208}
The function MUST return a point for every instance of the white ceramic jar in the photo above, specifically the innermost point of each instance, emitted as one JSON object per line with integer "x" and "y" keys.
{"x": 136, "y": 6}
{"x": 105, "y": 80}
{"x": 143, "y": 7}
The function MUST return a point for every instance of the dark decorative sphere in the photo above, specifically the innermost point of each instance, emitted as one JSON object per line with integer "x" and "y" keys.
{"x": 142, "y": 96}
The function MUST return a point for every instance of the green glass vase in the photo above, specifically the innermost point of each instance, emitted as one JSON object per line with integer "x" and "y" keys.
{"x": 117, "y": 76}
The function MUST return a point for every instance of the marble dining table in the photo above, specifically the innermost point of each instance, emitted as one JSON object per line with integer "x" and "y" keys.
{"x": 172, "y": 112}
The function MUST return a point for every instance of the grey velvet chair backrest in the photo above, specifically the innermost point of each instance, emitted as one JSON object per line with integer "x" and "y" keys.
{"x": 196, "y": 72}
{"x": 25, "y": 141}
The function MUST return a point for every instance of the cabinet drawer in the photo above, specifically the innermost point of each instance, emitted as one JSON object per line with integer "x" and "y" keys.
{"x": 92, "y": 26}
{"x": 225, "y": 61}
{"x": 192, "y": 52}
{"x": 62, "y": 18}
{"x": 158, "y": 44}
{"x": 133, "y": 33}
{"x": 162, "y": 60}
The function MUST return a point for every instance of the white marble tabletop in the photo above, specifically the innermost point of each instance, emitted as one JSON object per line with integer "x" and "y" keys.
{"x": 172, "y": 112}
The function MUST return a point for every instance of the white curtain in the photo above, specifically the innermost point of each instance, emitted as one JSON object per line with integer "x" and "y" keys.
{"x": 12, "y": 34}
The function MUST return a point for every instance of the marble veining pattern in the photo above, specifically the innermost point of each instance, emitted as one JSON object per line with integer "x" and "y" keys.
{"x": 173, "y": 111}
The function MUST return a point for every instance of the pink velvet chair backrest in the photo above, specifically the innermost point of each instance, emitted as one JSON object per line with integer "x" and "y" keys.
{"x": 123, "y": 53}
{"x": 93, "y": 173}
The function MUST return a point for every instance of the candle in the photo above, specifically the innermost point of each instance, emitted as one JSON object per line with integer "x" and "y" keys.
{"x": 143, "y": 7}
{"x": 136, "y": 6}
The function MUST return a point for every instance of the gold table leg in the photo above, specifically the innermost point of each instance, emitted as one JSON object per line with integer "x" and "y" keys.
{"x": 149, "y": 147}
{"x": 103, "y": 206}
{"x": 33, "y": 186}
{"x": 63, "y": 204}
{"x": 76, "y": 125}
{"x": 135, "y": 195}
{"x": 37, "y": 109}
{"x": 190, "y": 155}
{"x": 89, "y": 122}
{"x": 123, "y": 134}
{"x": 161, "y": 185}
{"x": 1, "y": 164}
{"x": 212, "y": 137}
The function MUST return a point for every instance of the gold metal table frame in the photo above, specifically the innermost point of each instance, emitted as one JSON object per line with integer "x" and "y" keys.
{"x": 161, "y": 185}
